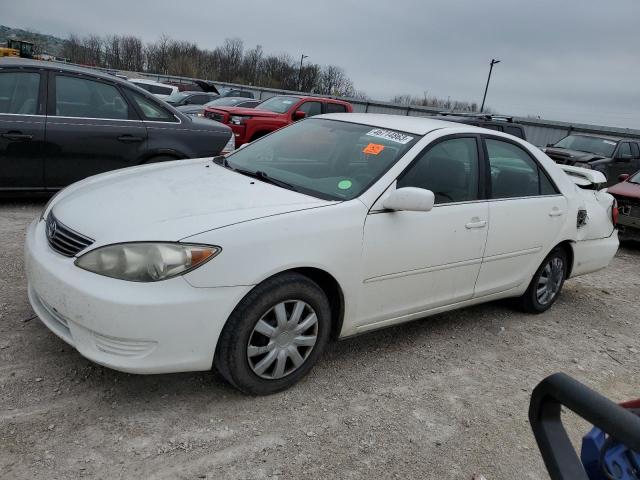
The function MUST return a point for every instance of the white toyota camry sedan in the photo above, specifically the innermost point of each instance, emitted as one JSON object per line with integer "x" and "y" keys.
{"x": 331, "y": 227}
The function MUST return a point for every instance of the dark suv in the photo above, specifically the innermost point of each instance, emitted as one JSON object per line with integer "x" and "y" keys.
{"x": 59, "y": 124}
{"x": 612, "y": 156}
{"x": 485, "y": 120}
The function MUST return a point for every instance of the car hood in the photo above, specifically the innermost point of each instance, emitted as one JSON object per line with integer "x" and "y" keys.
{"x": 251, "y": 112}
{"x": 170, "y": 201}
{"x": 625, "y": 189}
{"x": 573, "y": 155}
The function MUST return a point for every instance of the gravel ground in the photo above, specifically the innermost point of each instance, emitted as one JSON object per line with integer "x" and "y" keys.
{"x": 444, "y": 397}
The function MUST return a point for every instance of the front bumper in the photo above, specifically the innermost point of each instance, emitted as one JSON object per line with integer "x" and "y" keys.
{"x": 159, "y": 327}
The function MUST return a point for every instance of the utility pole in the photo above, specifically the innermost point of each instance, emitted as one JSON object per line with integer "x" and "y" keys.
{"x": 493, "y": 62}
{"x": 300, "y": 71}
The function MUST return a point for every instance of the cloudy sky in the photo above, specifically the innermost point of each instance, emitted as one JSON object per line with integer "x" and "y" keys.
{"x": 572, "y": 60}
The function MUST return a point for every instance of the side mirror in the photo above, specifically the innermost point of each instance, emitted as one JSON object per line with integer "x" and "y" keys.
{"x": 549, "y": 144}
{"x": 623, "y": 177}
{"x": 299, "y": 115}
{"x": 411, "y": 199}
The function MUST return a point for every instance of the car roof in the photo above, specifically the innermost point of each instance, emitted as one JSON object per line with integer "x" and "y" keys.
{"x": 150, "y": 82}
{"x": 59, "y": 67}
{"x": 415, "y": 125}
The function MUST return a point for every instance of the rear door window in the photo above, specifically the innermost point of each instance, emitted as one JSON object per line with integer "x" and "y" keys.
{"x": 82, "y": 97}
{"x": 335, "y": 108}
{"x": 311, "y": 108}
{"x": 635, "y": 150}
{"x": 19, "y": 92}
{"x": 624, "y": 151}
{"x": 514, "y": 173}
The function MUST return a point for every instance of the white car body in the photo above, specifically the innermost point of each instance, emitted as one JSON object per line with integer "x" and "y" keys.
{"x": 391, "y": 267}
{"x": 159, "y": 90}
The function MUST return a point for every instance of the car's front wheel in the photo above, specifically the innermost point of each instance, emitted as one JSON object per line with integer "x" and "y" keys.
{"x": 275, "y": 335}
{"x": 546, "y": 284}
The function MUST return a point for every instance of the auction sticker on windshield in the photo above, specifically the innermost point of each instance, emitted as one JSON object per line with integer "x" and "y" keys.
{"x": 390, "y": 135}
{"x": 373, "y": 149}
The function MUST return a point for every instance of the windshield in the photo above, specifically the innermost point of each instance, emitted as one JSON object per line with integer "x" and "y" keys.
{"x": 278, "y": 104}
{"x": 176, "y": 97}
{"x": 328, "y": 159}
{"x": 225, "y": 102}
{"x": 599, "y": 146}
{"x": 635, "y": 178}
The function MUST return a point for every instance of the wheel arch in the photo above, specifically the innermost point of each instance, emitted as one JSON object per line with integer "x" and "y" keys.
{"x": 567, "y": 246}
{"x": 162, "y": 152}
{"x": 331, "y": 288}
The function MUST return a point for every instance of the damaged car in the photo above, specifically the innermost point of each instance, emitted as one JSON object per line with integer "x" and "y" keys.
{"x": 334, "y": 226}
{"x": 627, "y": 194}
{"x": 612, "y": 156}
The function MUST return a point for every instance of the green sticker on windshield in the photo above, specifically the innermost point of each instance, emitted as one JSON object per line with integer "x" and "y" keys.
{"x": 344, "y": 184}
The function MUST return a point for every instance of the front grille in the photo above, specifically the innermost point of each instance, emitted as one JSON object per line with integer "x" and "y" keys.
{"x": 63, "y": 240}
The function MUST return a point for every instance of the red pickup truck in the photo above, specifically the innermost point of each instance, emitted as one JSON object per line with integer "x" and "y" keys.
{"x": 274, "y": 113}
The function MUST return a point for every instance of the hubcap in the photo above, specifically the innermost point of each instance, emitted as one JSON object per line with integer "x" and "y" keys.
{"x": 282, "y": 339}
{"x": 550, "y": 281}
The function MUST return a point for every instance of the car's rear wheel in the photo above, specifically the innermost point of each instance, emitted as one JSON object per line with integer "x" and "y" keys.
{"x": 546, "y": 284}
{"x": 275, "y": 335}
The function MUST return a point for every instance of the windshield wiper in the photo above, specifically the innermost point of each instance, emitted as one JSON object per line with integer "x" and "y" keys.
{"x": 262, "y": 176}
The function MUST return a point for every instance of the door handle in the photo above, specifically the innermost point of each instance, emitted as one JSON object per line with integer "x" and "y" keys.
{"x": 16, "y": 136}
{"x": 478, "y": 224}
{"x": 556, "y": 212}
{"x": 129, "y": 138}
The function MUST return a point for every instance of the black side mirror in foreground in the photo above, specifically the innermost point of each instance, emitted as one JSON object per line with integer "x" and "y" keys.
{"x": 561, "y": 460}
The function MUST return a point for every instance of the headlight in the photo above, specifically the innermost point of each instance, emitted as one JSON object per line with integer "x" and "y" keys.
{"x": 146, "y": 262}
{"x": 237, "y": 120}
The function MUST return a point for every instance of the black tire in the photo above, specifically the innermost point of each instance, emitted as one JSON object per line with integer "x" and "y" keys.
{"x": 530, "y": 301}
{"x": 231, "y": 358}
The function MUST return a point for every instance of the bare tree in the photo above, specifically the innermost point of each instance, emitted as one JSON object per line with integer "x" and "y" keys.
{"x": 227, "y": 63}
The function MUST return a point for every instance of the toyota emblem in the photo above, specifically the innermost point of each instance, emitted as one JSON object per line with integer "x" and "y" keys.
{"x": 51, "y": 228}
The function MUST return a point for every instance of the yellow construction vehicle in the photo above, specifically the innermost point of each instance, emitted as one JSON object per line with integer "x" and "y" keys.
{"x": 17, "y": 48}
{"x": 9, "y": 52}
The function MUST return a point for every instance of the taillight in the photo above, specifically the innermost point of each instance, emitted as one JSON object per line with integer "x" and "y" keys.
{"x": 614, "y": 212}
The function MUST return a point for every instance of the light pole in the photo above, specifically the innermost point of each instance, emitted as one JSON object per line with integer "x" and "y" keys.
{"x": 300, "y": 71}
{"x": 493, "y": 62}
